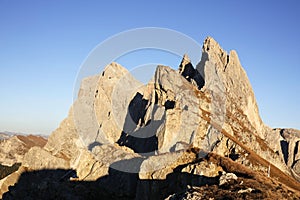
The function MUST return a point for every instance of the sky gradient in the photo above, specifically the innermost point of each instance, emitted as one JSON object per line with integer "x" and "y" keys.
{"x": 44, "y": 43}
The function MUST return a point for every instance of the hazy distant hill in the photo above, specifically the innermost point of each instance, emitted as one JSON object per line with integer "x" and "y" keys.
{"x": 4, "y": 136}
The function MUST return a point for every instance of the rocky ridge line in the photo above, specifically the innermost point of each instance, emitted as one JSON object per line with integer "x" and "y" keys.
{"x": 190, "y": 117}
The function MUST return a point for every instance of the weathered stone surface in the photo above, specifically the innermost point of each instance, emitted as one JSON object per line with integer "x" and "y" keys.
{"x": 125, "y": 140}
{"x": 115, "y": 89}
{"x": 38, "y": 158}
{"x": 10, "y": 180}
{"x": 217, "y": 62}
{"x": 239, "y": 118}
{"x": 64, "y": 142}
{"x": 227, "y": 177}
{"x": 182, "y": 112}
{"x": 13, "y": 149}
{"x": 296, "y": 169}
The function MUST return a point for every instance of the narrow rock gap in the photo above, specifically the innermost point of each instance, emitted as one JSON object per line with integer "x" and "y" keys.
{"x": 285, "y": 150}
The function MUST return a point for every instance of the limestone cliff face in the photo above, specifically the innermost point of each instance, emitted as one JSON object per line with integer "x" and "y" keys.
{"x": 238, "y": 91}
{"x": 285, "y": 142}
{"x": 242, "y": 120}
{"x": 186, "y": 126}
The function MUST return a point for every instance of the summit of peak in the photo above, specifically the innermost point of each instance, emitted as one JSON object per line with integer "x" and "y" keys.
{"x": 210, "y": 43}
{"x": 212, "y": 47}
{"x": 186, "y": 58}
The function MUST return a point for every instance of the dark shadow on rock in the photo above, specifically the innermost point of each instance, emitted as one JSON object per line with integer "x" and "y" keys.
{"x": 191, "y": 74}
{"x": 122, "y": 179}
{"x": 175, "y": 182}
{"x": 138, "y": 134}
{"x": 169, "y": 104}
{"x": 285, "y": 150}
{"x": 56, "y": 184}
{"x": 6, "y": 170}
{"x": 233, "y": 155}
{"x": 43, "y": 184}
{"x": 139, "y": 145}
{"x": 94, "y": 144}
{"x": 137, "y": 109}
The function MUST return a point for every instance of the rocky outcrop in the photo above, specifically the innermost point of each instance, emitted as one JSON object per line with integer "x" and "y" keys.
{"x": 180, "y": 103}
{"x": 13, "y": 149}
{"x": 287, "y": 146}
{"x": 178, "y": 182}
{"x": 217, "y": 65}
{"x": 186, "y": 128}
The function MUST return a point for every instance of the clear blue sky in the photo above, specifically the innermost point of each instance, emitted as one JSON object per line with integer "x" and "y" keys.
{"x": 43, "y": 44}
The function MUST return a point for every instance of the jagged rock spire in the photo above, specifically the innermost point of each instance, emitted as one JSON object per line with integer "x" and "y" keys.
{"x": 187, "y": 70}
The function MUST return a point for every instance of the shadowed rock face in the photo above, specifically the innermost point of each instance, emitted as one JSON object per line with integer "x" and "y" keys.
{"x": 187, "y": 70}
{"x": 186, "y": 127}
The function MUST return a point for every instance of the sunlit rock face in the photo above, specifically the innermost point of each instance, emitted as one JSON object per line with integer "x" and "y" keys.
{"x": 185, "y": 128}
{"x": 14, "y": 147}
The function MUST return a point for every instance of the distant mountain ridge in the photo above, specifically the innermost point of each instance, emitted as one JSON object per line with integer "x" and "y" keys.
{"x": 4, "y": 136}
{"x": 10, "y": 133}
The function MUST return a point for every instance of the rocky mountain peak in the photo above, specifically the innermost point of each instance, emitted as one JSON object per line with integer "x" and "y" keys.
{"x": 184, "y": 62}
{"x": 191, "y": 127}
{"x": 225, "y": 70}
